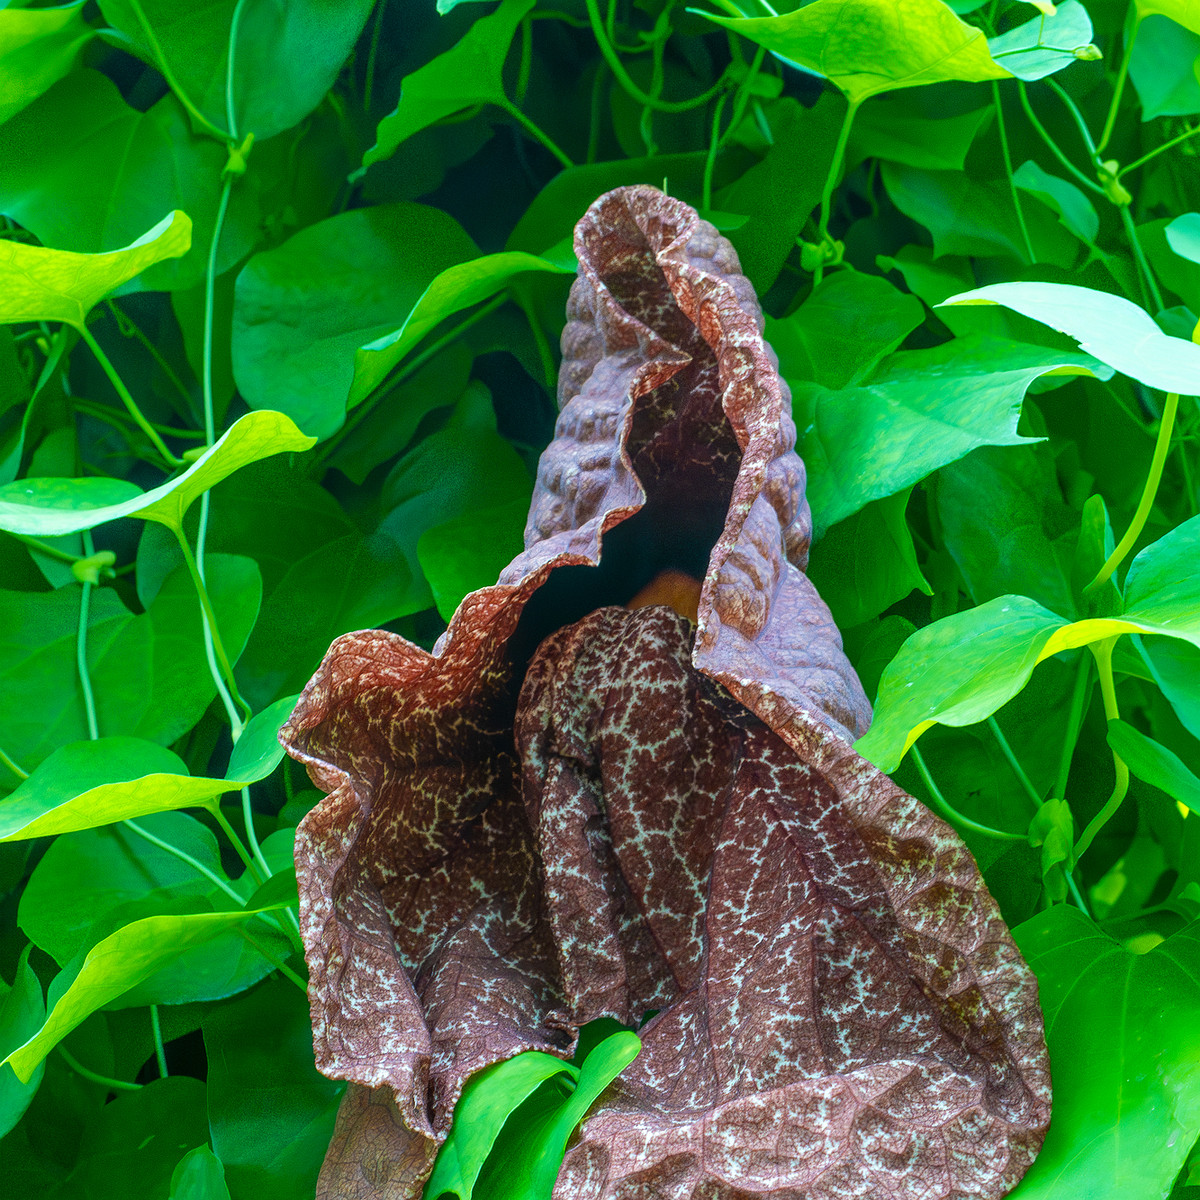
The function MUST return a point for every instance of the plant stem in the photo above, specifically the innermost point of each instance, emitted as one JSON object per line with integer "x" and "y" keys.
{"x": 115, "y": 417}
{"x": 129, "y": 328}
{"x": 1080, "y": 124}
{"x": 11, "y": 765}
{"x": 1154, "y": 295}
{"x": 535, "y": 131}
{"x": 710, "y": 160}
{"x": 1040, "y": 129}
{"x": 239, "y": 846}
{"x": 223, "y": 676}
{"x": 625, "y": 80}
{"x": 1074, "y": 723}
{"x": 1014, "y": 762}
{"x": 127, "y": 399}
{"x": 277, "y": 963}
{"x": 376, "y": 30}
{"x": 117, "y": 1085}
{"x": 1008, "y": 169}
{"x": 1102, "y": 652}
{"x": 183, "y": 856}
{"x": 1161, "y": 447}
{"x": 85, "y": 679}
{"x": 160, "y": 1052}
{"x": 952, "y": 814}
{"x": 252, "y": 834}
{"x": 1111, "y": 120}
{"x": 1138, "y": 162}
{"x": 831, "y": 179}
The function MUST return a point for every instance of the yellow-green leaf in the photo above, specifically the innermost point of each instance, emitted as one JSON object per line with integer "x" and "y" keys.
{"x": 1184, "y": 12}
{"x": 872, "y": 46}
{"x": 40, "y": 284}
{"x": 38, "y": 46}
{"x": 52, "y": 507}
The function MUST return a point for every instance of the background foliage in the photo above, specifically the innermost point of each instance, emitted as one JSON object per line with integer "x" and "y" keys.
{"x": 286, "y": 373}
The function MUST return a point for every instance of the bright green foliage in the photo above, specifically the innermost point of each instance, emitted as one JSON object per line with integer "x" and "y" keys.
{"x": 319, "y": 386}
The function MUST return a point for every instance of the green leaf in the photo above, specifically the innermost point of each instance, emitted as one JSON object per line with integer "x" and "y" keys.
{"x": 84, "y": 171}
{"x": 1007, "y": 527}
{"x": 38, "y": 284}
{"x": 257, "y": 752}
{"x": 1053, "y": 830}
{"x": 1124, "y": 1036}
{"x": 200, "y": 1175}
{"x": 38, "y": 46}
{"x": 454, "y": 289}
{"x": 1183, "y": 236}
{"x": 469, "y": 73}
{"x": 288, "y": 55}
{"x": 460, "y": 556}
{"x": 867, "y": 562}
{"x": 1175, "y": 667}
{"x": 303, "y": 310}
{"x": 53, "y": 507}
{"x": 1045, "y": 44}
{"x": 846, "y": 325}
{"x": 864, "y": 442}
{"x": 898, "y": 129}
{"x": 1074, "y": 209}
{"x": 1155, "y": 764}
{"x": 149, "y": 673}
{"x": 1163, "y": 69}
{"x": 529, "y": 1168}
{"x": 114, "y": 966}
{"x": 270, "y": 1111}
{"x": 22, "y": 1011}
{"x": 488, "y": 1100}
{"x": 1185, "y": 12}
{"x": 872, "y": 46}
{"x": 1113, "y": 329}
{"x": 85, "y": 876}
{"x": 962, "y": 669}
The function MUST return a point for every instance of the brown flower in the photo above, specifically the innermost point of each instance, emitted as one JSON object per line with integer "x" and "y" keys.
{"x": 573, "y": 809}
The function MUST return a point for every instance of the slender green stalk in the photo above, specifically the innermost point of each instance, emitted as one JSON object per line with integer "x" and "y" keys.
{"x": 952, "y": 814}
{"x": 831, "y": 179}
{"x": 1154, "y": 295}
{"x": 45, "y": 548}
{"x": 1042, "y": 132}
{"x": 1140, "y": 162}
{"x": 1013, "y": 190}
{"x": 260, "y": 876}
{"x": 10, "y": 764}
{"x": 1084, "y": 132}
{"x": 127, "y": 399}
{"x": 1102, "y": 652}
{"x": 1014, "y": 762}
{"x": 276, "y": 961}
{"x": 742, "y": 98}
{"x": 625, "y": 80}
{"x": 128, "y": 327}
{"x": 526, "y": 64}
{"x": 1119, "y": 88}
{"x": 1074, "y": 723}
{"x": 539, "y": 337}
{"x": 183, "y": 856}
{"x": 223, "y": 677}
{"x": 117, "y": 1085}
{"x": 160, "y": 1052}
{"x": 535, "y": 131}
{"x": 372, "y": 54}
{"x": 1161, "y": 447}
{"x": 160, "y": 61}
{"x": 115, "y": 417}
{"x": 710, "y": 160}
{"x": 252, "y": 834}
{"x": 85, "y": 678}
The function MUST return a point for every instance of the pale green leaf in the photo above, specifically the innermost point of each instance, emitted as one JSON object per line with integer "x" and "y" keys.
{"x": 38, "y": 46}
{"x": 52, "y": 507}
{"x": 1074, "y": 209}
{"x": 872, "y": 46}
{"x": 40, "y": 284}
{"x": 1113, "y": 329}
{"x": 1045, "y": 44}
{"x": 1183, "y": 236}
{"x": 1184, "y": 12}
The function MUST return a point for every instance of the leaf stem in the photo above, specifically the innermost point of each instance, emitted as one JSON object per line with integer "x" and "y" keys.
{"x": 1014, "y": 762}
{"x": 160, "y": 1052}
{"x": 1161, "y": 448}
{"x": 230, "y": 117}
{"x": 952, "y": 814}
{"x": 626, "y": 81}
{"x": 535, "y": 131}
{"x": 183, "y": 856}
{"x": 369, "y": 80}
{"x": 831, "y": 178}
{"x": 252, "y": 834}
{"x": 710, "y": 159}
{"x": 116, "y": 1085}
{"x": 1041, "y": 131}
{"x": 276, "y": 962}
{"x": 11, "y": 765}
{"x": 239, "y": 846}
{"x": 1080, "y": 123}
{"x": 1138, "y": 162}
{"x": 128, "y": 327}
{"x": 1074, "y": 723}
{"x": 85, "y": 679}
{"x": 1153, "y": 295}
{"x": 1014, "y": 192}
{"x": 165, "y": 67}
{"x": 1102, "y": 652}
{"x": 127, "y": 399}
{"x": 1119, "y": 88}
{"x": 224, "y": 675}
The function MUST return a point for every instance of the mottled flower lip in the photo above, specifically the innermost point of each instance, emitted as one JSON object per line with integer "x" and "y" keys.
{"x": 415, "y": 748}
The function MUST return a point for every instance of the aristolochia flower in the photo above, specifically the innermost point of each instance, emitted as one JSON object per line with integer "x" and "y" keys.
{"x": 573, "y": 808}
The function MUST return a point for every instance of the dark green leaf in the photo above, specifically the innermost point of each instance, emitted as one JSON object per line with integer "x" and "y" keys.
{"x": 37, "y": 47}
{"x": 22, "y": 1011}
{"x": 894, "y": 128}
{"x": 200, "y": 1175}
{"x": 1175, "y": 667}
{"x": 1074, "y": 209}
{"x": 1163, "y": 68}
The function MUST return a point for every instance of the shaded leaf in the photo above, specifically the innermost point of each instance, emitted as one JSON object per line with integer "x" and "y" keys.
{"x": 53, "y": 507}
{"x": 1111, "y": 328}
{"x": 896, "y": 131}
{"x": 1162, "y": 68}
{"x": 1074, "y": 208}
{"x": 469, "y": 73}
{"x": 303, "y": 310}
{"x": 37, "y": 284}
{"x": 22, "y": 1011}
{"x": 38, "y": 46}
{"x": 1124, "y": 1119}
{"x": 1175, "y": 667}
{"x": 200, "y": 1175}
{"x": 871, "y": 46}
{"x": 1155, "y": 764}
